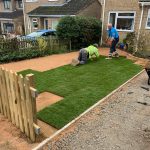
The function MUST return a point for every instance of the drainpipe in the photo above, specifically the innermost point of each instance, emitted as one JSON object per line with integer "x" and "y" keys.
{"x": 24, "y": 16}
{"x": 140, "y": 25}
{"x": 103, "y": 18}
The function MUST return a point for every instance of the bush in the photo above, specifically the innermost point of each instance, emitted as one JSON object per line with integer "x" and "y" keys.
{"x": 81, "y": 31}
{"x": 25, "y": 54}
{"x": 143, "y": 54}
{"x": 68, "y": 28}
{"x": 27, "y": 49}
{"x": 130, "y": 42}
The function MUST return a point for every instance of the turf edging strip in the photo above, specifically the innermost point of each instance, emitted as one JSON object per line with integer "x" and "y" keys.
{"x": 84, "y": 113}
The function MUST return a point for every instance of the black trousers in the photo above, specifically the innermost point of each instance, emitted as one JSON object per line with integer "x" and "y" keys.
{"x": 83, "y": 56}
{"x": 113, "y": 45}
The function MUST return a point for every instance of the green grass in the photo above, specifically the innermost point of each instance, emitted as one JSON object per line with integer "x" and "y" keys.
{"x": 80, "y": 86}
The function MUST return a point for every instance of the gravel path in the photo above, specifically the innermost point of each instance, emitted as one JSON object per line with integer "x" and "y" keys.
{"x": 121, "y": 123}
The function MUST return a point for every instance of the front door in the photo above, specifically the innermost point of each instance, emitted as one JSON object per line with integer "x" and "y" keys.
{"x": 46, "y": 24}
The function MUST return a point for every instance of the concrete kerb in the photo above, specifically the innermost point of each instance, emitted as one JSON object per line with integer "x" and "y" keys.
{"x": 88, "y": 110}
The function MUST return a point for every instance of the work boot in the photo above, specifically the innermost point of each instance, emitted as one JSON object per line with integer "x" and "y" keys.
{"x": 75, "y": 62}
{"x": 116, "y": 55}
{"x": 109, "y": 56}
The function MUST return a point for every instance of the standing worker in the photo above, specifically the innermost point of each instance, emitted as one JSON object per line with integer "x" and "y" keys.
{"x": 90, "y": 52}
{"x": 112, "y": 40}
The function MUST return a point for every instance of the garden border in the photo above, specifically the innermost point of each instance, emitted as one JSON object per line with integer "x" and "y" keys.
{"x": 92, "y": 107}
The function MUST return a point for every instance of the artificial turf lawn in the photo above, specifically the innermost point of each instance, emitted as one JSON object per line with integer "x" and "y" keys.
{"x": 80, "y": 86}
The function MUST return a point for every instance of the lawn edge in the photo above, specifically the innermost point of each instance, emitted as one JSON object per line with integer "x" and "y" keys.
{"x": 85, "y": 112}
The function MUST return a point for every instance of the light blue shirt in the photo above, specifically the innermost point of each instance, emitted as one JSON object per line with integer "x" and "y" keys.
{"x": 113, "y": 33}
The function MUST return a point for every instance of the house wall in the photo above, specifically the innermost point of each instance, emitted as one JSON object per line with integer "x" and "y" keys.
{"x": 41, "y": 24}
{"x": 94, "y": 10}
{"x": 17, "y": 22}
{"x": 121, "y": 5}
{"x": 13, "y": 6}
{"x": 145, "y": 33}
{"x": 126, "y": 5}
{"x": 19, "y": 25}
{"x": 29, "y": 6}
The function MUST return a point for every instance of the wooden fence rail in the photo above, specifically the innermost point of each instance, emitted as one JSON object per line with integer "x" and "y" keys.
{"x": 18, "y": 101}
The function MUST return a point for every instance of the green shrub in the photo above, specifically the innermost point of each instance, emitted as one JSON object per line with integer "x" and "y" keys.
{"x": 27, "y": 49}
{"x": 130, "y": 42}
{"x": 68, "y": 28}
{"x": 42, "y": 43}
{"x": 10, "y": 56}
{"x": 82, "y": 31}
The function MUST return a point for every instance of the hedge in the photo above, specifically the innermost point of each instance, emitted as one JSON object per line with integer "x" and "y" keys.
{"x": 82, "y": 31}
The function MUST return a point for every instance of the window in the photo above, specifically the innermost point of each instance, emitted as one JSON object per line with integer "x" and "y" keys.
{"x": 31, "y": 0}
{"x": 8, "y": 27}
{"x": 35, "y": 23}
{"x": 6, "y": 4}
{"x": 122, "y": 21}
{"x": 148, "y": 20}
{"x": 20, "y": 4}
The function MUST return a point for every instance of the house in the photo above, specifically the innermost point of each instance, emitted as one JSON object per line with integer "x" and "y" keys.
{"x": 11, "y": 16}
{"x": 125, "y": 15}
{"x": 128, "y": 16}
{"x": 44, "y": 14}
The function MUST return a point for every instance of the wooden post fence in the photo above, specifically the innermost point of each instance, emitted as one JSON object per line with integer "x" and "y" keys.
{"x": 18, "y": 101}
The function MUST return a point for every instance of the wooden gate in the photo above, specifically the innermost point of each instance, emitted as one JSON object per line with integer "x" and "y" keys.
{"x": 18, "y": 101}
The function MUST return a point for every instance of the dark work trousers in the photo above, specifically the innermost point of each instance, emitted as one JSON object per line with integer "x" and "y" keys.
{"x": 113, "y": 45}
{"x": 83, "y": 56}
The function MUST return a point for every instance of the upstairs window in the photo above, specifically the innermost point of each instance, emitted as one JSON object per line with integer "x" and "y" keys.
{"x": 6, "y": 4}
{"x": 20, "y": 4}
{"x": 31, "y": 1}
{"x": 122, "y": 21}
{"x": 148, "y": 20}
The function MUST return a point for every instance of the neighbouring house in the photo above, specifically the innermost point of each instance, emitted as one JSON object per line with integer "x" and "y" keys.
{"x": 11, "y": 16}
{"x": 125, "y": 15}
{"x": 45, "y": 14}
{"x": 128, "y": 16}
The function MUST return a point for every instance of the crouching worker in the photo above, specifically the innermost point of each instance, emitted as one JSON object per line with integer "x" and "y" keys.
{"x": 90, "y": 52}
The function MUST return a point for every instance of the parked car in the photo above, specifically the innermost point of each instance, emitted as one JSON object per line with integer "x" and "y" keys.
{"x": 39, "y": 33}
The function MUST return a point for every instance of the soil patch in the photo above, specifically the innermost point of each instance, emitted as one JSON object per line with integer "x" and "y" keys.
{"x": 46, "y": 99}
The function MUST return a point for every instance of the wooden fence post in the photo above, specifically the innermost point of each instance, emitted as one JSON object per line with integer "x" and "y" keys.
{"x": 33, "y": 94}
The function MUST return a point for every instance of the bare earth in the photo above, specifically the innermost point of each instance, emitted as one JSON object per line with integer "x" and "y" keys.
{"x": 12, "y": 139}
{"x": 49, "y": 62}
{"x": 120, "y": 123}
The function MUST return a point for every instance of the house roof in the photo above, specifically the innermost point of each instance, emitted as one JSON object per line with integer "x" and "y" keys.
{"x": 69, "y": 8}
{"x": 11, "y": 15}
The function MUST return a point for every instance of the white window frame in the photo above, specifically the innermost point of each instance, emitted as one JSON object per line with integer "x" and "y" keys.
{"x": 128, "y": 17}
{"x": 148, "y": 16}
{"x": 31, "y": 1}
{"x": 34, "y": 20}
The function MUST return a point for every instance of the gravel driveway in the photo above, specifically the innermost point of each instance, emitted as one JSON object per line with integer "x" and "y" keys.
{"x": 121, "y": 123}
